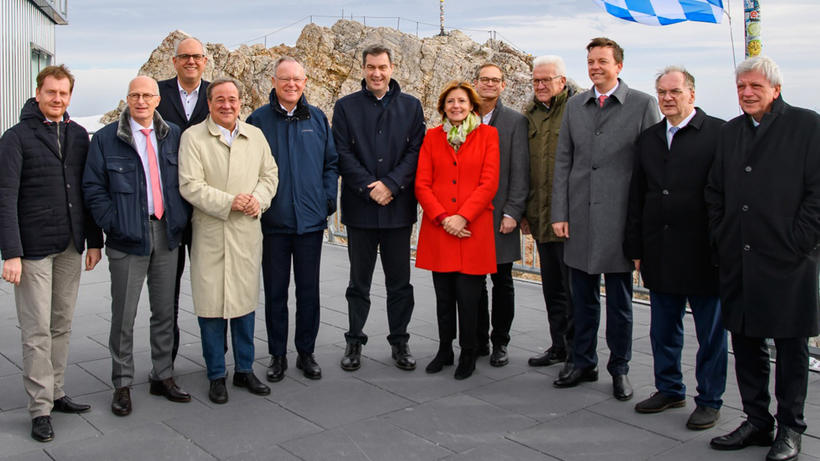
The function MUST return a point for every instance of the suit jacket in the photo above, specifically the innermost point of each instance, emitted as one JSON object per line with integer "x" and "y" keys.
{"x": 593, "y": 166}
{"x": 513, "y": 179}
{"x": 667, "y": 225}
{"x": 170, "y": 104}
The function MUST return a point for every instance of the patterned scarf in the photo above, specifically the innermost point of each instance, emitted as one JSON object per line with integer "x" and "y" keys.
{"x": 456, "y": 135}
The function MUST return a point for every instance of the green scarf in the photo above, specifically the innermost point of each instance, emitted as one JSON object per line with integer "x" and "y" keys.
{"x": 456, "y": 135}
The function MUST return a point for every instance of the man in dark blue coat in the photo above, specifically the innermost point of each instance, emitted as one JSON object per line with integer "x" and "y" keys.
{"x": 667, "y": 237}
{"x": 131, "y": 186}
{"x": 378, "y": 133}
{"x": 301, "y": 142}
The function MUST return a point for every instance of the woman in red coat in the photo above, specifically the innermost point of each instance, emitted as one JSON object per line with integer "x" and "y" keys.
{"x": 456, "y": 181}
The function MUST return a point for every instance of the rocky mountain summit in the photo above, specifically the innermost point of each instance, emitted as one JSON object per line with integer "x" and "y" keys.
{"x": 332, "y": 60}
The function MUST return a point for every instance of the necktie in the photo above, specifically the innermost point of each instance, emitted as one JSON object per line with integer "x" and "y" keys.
{"x": 153, "y": 169}
{"x": 673, "y": 130}
{"x": 601, "y": 100}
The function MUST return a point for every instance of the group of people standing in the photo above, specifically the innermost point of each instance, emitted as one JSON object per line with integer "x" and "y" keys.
{"x": 722, "y": 217}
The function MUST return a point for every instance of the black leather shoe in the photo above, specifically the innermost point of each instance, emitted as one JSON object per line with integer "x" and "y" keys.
{"x": 566, "y": 370}
{"x": 577, "y": 376}
{"x": 549, "y": 357}
{"x": 745, "y": 435}
{"x": 121, "y": 404}
{"x": 309, "y": 367}
{"x": 251, "y": 383}
{"x": 277, "y": 367}
{"x": 658, "y": 402}
{"x": 621, "y": 387}
{"x": 443, "y": 357}
{"x": 466, "y": 364}
{"x": 218, "y": 393}
{"x": 41, "y": 429}
{"x": 352, "y": 360}
{"x": 403, "y": 358}
{"x": 483, "y": 350}
{"x": 786, "y": 445}
{"x": 499, "y": 357}
{"x": 169, "y": 389}
{"x": 703, "y": 418}
{"x": 65, "y": 405}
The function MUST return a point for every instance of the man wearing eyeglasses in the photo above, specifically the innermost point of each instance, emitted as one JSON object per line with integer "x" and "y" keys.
{"x": 132, "y": 190}
{"x": 183, "y": 102}
{"x": 508, "y": 208}
{"x": 667, "y": 237}
{"x": 544, "y": 113}
{"x": 302, "y": 144}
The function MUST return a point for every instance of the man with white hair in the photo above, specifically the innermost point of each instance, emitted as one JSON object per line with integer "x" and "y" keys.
{"x": 764, "y": 211}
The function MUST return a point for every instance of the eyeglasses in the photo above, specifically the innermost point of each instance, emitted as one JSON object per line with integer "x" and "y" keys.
{"x": 196, "y": 57}
{"x": 147, "y": 97}
{"x": 486, "y": 80}
{"x": 677, "y": 92}
{"x": 544, "y": 81}
{"x": 290, "y": 79}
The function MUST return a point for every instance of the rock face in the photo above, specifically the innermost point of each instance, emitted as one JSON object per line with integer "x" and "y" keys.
{"x": 332, "y": 60}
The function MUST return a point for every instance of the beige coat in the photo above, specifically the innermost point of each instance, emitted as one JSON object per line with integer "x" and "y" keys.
{"x": 226, "y": 253}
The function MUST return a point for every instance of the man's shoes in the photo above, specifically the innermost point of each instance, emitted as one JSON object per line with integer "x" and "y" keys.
{"x": 786, "y": 445}
{"x": 277, "y": 367}
{"x": 352, "y": 360}
{"x": 466, "y": 364}
{"x": 402, "y": 357}
{"x": 65, "y": 405}
{"x": 745, "y": 435}
{"x": 444, "y": 357}
{"x": 621, "y": 388}
{"x": 703, "y": 418}
{"x": 41, "y": 429}
{"x": 550, "y": 356}
{"x": 218, "y": 393}
{"x": 308, "y": 365}
{"x": 658, "y": 402}
{"x": 566, "y": 369}
{"x": 483, "y": 350}
{"x": 169, "y": 389}
{"x": 577, "y": 376}
{"x": 499, "y": 357}
{"x": 121, "y": 404}
{"x": 250, "y": 382}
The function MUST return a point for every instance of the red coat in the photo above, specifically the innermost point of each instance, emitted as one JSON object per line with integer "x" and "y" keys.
{"x": 462, "y": 183}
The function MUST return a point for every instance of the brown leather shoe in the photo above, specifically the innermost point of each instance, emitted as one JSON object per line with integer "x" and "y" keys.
{"x": 169, "y": 389}
{"x": 121, "y": 404}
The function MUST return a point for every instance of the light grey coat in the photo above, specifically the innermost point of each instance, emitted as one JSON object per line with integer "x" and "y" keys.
{"x": 593, "y": 167}
{"x": 513, "y": 180}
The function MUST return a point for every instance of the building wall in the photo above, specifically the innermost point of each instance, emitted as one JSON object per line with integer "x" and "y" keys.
{"x": 24, "y": 27}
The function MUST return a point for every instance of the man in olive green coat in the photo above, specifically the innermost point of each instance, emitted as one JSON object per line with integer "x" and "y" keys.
{"x": 544, "y": 115}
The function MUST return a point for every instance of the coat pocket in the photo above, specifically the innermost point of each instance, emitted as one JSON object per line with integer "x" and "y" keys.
{"x": 121, "y": 178}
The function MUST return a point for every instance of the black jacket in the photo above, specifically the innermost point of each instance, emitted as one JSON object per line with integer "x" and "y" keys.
{"x": 41, "y": 201}
{"x": 667, "y": 226}
{"x": 170, "y": 104}
{"x": 378, "y": 140}
{"x": 764, "y": 213}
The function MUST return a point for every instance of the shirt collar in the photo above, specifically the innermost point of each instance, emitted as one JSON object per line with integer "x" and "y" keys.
{"x": 196, "y": 90}
{"x": 136, "y": 127}
{"x": 683, "y": 122}
{"x": 608, "y": 93}
{"x": 289, "y": 112}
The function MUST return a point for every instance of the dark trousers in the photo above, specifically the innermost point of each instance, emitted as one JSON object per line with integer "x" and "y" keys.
{"x": 586, "y": 300}
{"x": 180, "y": 269}
{"x": 214, "y": 332}
{"x": 457, "y": 294}
{"x": 556, "y": 288}
{"x": 394, "y": 246}
{"x": 790, "y": 385}
{"x": 277, "y": 252}
{"x": 503, "y": 307}
{"x": 666, "y": 336}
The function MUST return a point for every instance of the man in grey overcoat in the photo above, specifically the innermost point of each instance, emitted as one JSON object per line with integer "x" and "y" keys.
{"x": 593, "y": 168}
{"x": 509, "y": 205}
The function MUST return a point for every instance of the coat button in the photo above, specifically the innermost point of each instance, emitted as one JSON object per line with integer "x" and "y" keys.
{"x": 454, "y": 181}
{"x": 68, "y": 186}
{"x": 70, "y": 205}
{"x": 453, "y": 200}
{"x": 745, "y": 208}
{"x": 594, "y": 167}
{"x": 665, "y": 192}
{"x": 666, "y": 227}
{"x": 597, "y": 133}
{"x": 380, "y": 159}
{"x": 748, "y": 169}
{"x": 455, "y": 164}
{"x": 746, "y": 247}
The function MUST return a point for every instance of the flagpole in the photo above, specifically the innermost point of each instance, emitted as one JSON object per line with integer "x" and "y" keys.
{"x": 731, "y": 33}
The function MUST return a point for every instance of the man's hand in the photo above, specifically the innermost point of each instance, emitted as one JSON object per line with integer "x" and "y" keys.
{"x": 456, "y": 225}
{"x": 525, "y": 226}
{"x": 637, "y": 264}
{"x": 12, "y": 270}
{"x": 92, "y": 257}
{"x": 240, "y": 202}
{"x": 561, "y": 229}
{"x": 507, "y": 225}
{"x": 252, "y": 208}
{"x": 380, "y": 193}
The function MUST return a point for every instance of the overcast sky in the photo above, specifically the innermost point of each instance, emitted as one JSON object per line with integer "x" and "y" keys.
{"x": 106, "y": 42}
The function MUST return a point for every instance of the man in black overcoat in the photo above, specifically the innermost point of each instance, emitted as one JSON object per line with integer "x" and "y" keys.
{"x": 764, "y": 212}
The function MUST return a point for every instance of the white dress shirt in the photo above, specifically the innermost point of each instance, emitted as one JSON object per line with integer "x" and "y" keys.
{"x": 142, "y": 149}
{"x": 228, "y": 135}
{"x": 671, "y": 133}
{"x": 189, "y": 99}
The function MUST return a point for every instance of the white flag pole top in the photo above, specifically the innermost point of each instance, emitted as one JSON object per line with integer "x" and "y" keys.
{"x": 751, "y": 10}
{"x": 664, "y": 12}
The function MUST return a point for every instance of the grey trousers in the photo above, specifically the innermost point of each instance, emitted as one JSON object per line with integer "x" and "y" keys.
{"x": 45, "y": 300}
{"x": 128, "y": 272}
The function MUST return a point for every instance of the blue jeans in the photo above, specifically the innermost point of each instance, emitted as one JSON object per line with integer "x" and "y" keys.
{"x": 214, "y": 332}
{"x": 666, "y": 334}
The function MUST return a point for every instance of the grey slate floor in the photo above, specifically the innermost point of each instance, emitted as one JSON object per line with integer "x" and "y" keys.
{"x": 376, "y": 413}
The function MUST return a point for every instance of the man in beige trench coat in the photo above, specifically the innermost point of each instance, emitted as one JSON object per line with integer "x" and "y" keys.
{"x": 227, "y": 172}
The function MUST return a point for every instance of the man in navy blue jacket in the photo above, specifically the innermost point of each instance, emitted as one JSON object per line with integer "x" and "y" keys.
{"x": 378, "y": 133}
{"x": 293, "y": 227}
{"x": 131, "y": 187}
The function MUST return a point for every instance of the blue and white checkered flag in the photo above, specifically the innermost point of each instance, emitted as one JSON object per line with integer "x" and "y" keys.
{"x": 664, "y": 12}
